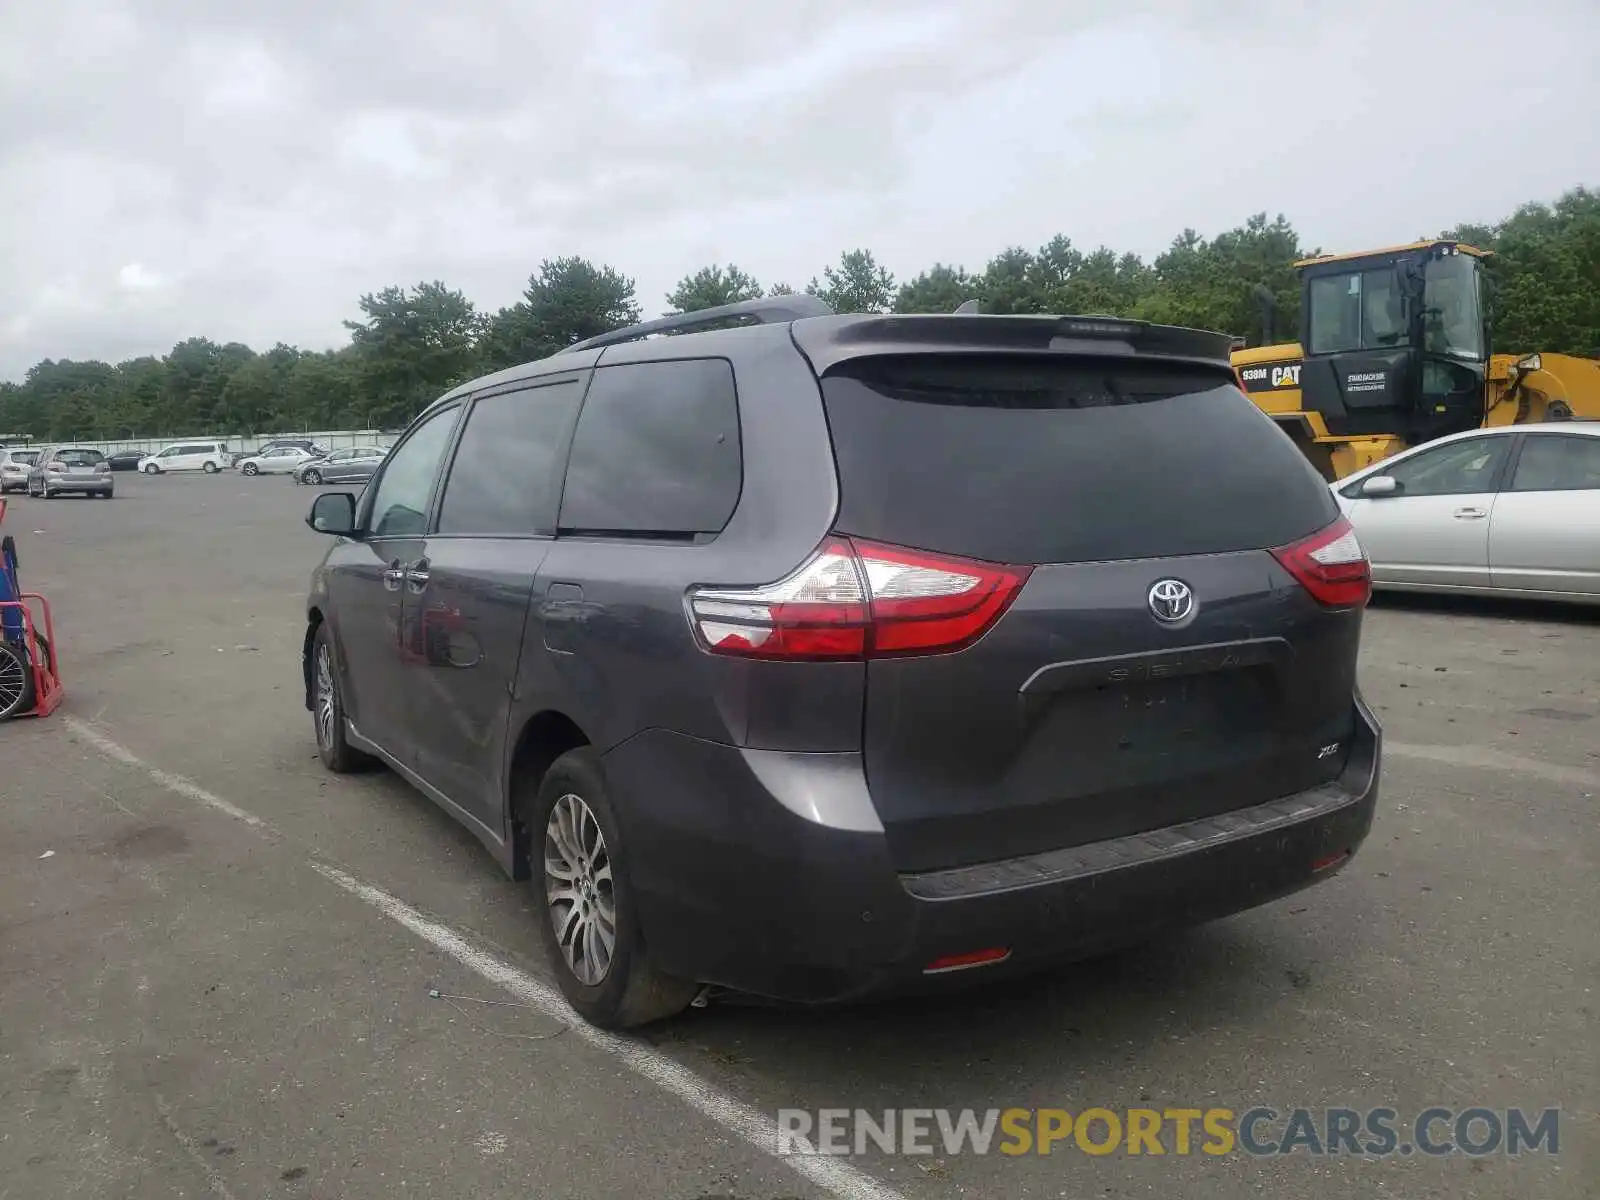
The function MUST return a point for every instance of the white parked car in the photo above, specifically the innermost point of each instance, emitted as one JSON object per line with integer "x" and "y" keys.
{"x": 1512, "y": 510}
{"x": 209, "y": 457}
{"x": 15, "y": 465}
{"x": 278, "y": 460}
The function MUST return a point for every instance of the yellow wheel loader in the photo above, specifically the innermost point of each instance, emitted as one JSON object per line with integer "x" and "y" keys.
{"x": 1394, "y": 350}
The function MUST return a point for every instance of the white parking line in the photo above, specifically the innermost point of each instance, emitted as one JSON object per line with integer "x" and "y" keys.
{"x": 173, "y": 783}
{"x": 835, "y": 1176}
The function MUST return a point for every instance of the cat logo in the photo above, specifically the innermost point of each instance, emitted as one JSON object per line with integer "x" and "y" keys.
{"x": 1258, "y": 378}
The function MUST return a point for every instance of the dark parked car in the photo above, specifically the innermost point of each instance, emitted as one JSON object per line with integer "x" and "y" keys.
{"x": 126, "y": 460}
{"x": 832, "y": 656}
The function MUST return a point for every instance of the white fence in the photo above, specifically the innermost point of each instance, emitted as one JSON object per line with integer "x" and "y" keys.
{"x": 333, "y": 439}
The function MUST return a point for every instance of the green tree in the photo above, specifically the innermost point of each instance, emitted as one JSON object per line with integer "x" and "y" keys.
{"x": 413, "y": 346}
{"x": 712, "y": 286}
{"x": 414, "y": 343}
{"x": 857, "y": 285}
{"x": 1545, "y": 275}
{"x": 940, "y": 289}
{"x": 1011, "y": 283}
{"x": 567, "y": 300}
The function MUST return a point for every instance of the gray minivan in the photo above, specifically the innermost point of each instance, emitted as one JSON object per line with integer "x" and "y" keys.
{"x": 829, "y": 656}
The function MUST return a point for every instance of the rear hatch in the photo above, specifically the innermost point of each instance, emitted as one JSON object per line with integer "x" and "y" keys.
{"x": 82, "y": 464}
{"x": 1101, "y": 702}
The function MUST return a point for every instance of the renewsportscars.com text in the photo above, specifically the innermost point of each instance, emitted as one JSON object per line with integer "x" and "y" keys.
{"x": 1260, "y": 1131}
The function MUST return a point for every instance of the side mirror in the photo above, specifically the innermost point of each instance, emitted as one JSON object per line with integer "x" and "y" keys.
{"x": 333, "y": 513}
{"x": 1380, "y": 485}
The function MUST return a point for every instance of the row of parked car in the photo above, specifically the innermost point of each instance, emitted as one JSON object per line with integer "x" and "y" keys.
{"x": 52, "y": 470}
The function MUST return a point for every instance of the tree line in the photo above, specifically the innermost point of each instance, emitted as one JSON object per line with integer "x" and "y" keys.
{"x": 413, "y": 343}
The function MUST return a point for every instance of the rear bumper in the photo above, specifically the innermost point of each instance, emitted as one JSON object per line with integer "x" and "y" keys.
{"x": 737, "y": 889}
{"x": 65, "y": 484}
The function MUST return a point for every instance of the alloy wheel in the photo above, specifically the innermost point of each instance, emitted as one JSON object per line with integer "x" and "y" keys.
{"x": 325, "y": 696}
{"x": 580, "y": 890}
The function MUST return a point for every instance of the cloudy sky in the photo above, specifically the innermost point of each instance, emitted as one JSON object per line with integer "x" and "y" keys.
{"x": 246, "y": 170}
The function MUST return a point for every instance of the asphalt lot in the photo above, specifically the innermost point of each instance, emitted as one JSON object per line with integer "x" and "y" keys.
{"x": 192, "y": 1004}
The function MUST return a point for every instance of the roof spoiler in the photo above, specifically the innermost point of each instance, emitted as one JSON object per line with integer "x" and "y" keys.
{"x": 766, "y": 310}
{"x": 833, "y": 341}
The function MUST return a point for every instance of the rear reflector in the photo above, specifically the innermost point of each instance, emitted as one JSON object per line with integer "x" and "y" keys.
{"x": 854, "y": 599}
{"x": 1331, "y": 565}
{"x": 960, "y": 962}
{"x": 1333, "y": 860}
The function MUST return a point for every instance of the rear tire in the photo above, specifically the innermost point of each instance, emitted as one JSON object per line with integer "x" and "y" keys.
{"x": 16, "y": 681}
{"x": 580, "y": 880}
{"x": 327, "y": 709}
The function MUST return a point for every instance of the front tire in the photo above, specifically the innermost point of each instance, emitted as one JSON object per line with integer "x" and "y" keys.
{"x": 152, "y": 469}
{"x": 327, "y": 709}
{"x": 312, "y": 477}
{"x": 250, "y": 469}
{"x": 589, "y": 922}
{"x": 210, "y": 468}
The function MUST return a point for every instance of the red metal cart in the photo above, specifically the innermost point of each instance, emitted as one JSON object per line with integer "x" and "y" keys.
{"x": 30, "y": 675}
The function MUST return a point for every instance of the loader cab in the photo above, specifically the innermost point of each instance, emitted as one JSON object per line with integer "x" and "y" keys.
{"x": 1395, "y": 341}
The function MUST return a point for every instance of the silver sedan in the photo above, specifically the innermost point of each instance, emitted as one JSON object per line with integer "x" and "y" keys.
{"x": 342, "y": 466}
{"x": 1512, "y": 510}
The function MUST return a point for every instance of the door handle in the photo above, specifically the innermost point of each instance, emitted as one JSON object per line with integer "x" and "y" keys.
{"x": 417, "y": 576}
{"x": 393, "y": 574}
{"x": 1470, "y": 514}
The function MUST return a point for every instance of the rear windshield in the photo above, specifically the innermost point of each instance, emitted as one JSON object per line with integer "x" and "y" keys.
{"x": 80, "y": 458}
{"x": 1031, "y": 461}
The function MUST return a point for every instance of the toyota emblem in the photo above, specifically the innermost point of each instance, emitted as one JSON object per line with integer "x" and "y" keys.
{"x": 1171, "y": 601}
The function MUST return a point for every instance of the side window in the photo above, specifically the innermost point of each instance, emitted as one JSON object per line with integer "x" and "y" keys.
{"x": 656, "y": 451}
{"x": 400, "y": 505}
{"x": 1459, "y": 469}
{"x": 1554, "y": 462}
{"x": 1358, "y": 311}
{"x": 503, "y": 478}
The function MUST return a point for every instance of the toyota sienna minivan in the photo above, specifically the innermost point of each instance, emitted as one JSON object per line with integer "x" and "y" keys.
{"x": 818, "y": 657}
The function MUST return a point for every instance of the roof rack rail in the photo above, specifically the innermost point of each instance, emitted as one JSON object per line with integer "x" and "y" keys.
{"x": 766, "y": 310}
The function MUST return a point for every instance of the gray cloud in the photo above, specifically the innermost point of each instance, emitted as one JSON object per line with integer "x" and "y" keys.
{"x": 245, "y": 171}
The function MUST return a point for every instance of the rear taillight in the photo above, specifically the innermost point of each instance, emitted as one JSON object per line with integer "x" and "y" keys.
{"x": 1331, "y": 565}
{"x": 853, "y": 600}
{"x": 56, "y": 467}
{"x": 103, "y": 468}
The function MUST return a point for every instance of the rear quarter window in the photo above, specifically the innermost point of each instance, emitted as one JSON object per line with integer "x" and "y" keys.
{"x": 1028, "y": 460}
{"x": 656, "y": 451}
